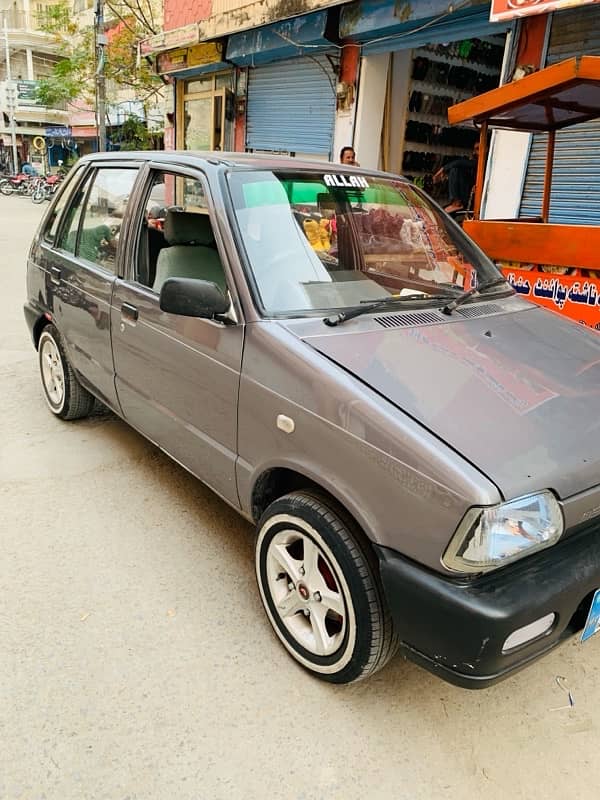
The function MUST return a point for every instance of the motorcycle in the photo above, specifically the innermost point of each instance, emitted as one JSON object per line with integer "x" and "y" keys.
{"x": 17, "y": 184}
{"x": 45, "y": 188}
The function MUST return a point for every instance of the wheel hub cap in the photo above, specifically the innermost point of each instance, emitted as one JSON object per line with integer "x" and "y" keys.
{"x": 306, "y": 593}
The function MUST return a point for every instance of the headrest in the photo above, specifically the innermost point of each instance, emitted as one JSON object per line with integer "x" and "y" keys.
{"x": 185, "y": 227}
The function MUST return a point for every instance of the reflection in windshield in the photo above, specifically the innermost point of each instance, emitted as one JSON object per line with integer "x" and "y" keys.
{"x": 326, "y": 241}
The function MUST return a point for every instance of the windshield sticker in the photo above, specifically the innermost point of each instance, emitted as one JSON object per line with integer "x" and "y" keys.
{"x": 346, "y": 181}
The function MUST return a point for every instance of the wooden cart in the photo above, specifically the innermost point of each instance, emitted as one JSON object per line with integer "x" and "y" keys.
{"x": 555, "y": 265}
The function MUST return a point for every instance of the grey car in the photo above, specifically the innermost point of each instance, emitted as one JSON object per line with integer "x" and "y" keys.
{"x": 322, "y": 346}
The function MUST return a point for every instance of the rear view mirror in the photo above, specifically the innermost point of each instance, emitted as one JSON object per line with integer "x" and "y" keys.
{"x": 190, "y": 297}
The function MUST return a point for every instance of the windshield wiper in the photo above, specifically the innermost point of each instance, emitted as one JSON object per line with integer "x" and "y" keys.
{"x": 372, "y": 305}
{"x": 460, "y": 299}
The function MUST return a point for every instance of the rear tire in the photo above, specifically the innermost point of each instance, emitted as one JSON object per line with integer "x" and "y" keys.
{"x": 320, "y": 586}
{"x": 65, "y": 396}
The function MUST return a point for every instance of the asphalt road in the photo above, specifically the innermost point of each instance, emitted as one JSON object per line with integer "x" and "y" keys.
{"x": 136, "y": 661}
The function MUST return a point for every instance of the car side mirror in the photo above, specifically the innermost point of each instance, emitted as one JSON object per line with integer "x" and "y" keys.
{"x": 190, "y": 297}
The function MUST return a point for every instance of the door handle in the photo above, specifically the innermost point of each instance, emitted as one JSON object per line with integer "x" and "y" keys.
{"x": 129, "y": 313}
{"x": 55, "y": 275}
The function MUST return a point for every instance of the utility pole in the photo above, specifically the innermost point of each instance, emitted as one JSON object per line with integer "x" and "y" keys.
{"x": 11, "y": 99}
{"x": 100, "y": 79}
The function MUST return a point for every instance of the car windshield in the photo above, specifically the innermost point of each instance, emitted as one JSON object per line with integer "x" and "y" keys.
{"x": 321, "y": 241}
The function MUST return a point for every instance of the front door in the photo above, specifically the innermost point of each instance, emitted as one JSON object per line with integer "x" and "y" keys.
{"x": 81, "y": 273}
{"x": 177, "y": 377}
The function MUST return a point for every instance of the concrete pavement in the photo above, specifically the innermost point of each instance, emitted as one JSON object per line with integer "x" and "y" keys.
{"x": 136, "y": 661}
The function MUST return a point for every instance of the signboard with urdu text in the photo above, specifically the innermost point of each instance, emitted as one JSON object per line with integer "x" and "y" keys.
{"x": 574, "y": 296}
{"x": 502, "y": 10}
{"x": 177, "y": 37}
{"x": 186, "y": 57}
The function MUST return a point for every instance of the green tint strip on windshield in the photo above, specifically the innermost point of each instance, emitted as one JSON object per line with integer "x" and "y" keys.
{"x": 270, "y": 193}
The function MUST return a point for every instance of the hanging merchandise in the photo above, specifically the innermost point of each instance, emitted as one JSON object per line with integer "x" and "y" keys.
{"x": 441, "y": 75}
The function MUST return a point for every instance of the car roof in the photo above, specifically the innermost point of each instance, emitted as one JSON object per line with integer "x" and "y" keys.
{"x": 269, "y": 161}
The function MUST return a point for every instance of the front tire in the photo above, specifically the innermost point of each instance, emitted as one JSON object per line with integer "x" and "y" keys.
{"x": 6, "y": 187}
{"x": 65, "y": 396}
{"x": 320, "y": 587}
{"x": 38, "y": 195}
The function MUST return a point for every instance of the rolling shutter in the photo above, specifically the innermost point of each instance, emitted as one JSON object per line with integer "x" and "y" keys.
{"x": 291, "y": 106}
{"x": 575, "y": 195}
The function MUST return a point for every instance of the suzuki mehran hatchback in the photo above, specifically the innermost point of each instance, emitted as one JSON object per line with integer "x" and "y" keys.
{"x": 418, "y": 447}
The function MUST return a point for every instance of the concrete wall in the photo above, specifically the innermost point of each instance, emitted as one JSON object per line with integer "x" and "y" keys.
{"x": 369, "y": 111}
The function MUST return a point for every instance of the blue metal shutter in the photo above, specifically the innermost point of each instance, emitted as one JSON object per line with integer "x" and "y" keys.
{"x": 291, "y": 106}
{"x": 575, "y": 197}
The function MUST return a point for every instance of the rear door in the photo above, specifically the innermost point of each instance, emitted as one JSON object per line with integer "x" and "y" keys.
{"x": 177, "y": 377}
{"x": 80, "y": 266}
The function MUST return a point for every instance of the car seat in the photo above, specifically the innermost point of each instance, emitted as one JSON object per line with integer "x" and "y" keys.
{"x": 192, "y": 251}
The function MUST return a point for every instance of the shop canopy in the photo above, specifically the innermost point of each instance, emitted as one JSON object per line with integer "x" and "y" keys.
{"x": 553, "y": 98}
{"x": 280, "y": 40}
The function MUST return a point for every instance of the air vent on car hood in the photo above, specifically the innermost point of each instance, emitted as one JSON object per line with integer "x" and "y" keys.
{"x": 416, "y": 318}
{"x": 480, "y": 311}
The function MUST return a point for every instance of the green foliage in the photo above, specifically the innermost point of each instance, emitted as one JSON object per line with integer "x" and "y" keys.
{"x": 73, "y": 77}
{"x": 134, "y": 135}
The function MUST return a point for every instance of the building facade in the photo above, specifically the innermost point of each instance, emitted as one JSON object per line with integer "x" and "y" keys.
{"x": 307, "y": 78}
{"x": 27, "y": 129}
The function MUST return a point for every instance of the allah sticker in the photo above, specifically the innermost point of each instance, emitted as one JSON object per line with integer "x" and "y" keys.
{"x": 346, "y": 181}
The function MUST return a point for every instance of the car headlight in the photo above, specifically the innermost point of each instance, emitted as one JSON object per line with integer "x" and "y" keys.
{"x": 488, "y": 538}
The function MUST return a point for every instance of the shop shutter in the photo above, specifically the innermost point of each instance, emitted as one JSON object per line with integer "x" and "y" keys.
{"x": 575, "y": 195}
{"x": 291, "y": 106}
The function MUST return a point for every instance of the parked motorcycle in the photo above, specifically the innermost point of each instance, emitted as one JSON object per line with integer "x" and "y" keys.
{"x": 45, "y": 188}
{"x": 18, "y": 184}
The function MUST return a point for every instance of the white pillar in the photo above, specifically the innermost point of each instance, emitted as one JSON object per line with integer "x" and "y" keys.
{"x": 507, "y": 165}
{"x": 369, "y": 113}
{"x": 343, "y": 135}
{"x": 27, "y": 14}
{"x": 30, "y": 74}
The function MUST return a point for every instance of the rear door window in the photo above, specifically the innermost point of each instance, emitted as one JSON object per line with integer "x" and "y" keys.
{"x": 95, "y": 216}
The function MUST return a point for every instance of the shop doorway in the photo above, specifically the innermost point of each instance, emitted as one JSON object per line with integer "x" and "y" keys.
{"x": 416, "y": 138}
{"x": 205, "y": 112}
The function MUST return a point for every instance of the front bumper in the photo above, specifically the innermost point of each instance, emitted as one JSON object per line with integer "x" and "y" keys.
{"x": 456, "y": 627}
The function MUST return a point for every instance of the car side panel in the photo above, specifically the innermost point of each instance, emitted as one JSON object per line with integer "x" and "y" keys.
{"x": 405, "y": 488}
{"x": 177, "y": 382}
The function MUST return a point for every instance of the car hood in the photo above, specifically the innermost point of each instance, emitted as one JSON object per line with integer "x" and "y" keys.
{"x": 516, "y": 394}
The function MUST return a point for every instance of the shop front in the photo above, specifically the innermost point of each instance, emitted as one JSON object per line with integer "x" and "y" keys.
{"x": 542, "y": 224}
{"x": 291, "y": 96}
{"x": 414, "y": 67}
{"x": 204, "y": 95}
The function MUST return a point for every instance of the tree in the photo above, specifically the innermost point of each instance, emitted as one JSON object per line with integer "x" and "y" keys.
{"x": 133, "y": 135}
{"x": 73, "y": 77}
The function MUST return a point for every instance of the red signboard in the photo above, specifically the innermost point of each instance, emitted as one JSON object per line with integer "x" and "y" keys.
{"x": 502, "y": 10}
{"x": 574, "y": 296}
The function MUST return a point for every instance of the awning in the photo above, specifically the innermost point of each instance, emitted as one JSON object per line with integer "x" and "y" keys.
{"x": 280, "y": 40}
{"x": 387, "y": 25}
{"x": 567, "y": 93}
